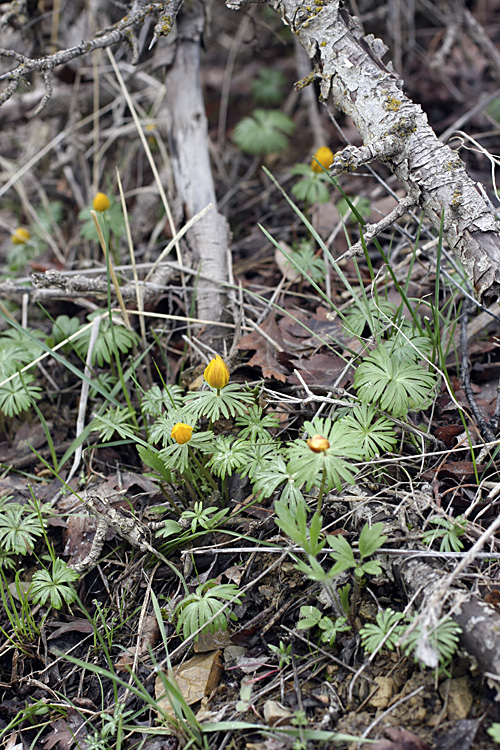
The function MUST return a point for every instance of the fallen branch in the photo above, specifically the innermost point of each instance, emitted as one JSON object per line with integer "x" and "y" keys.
{"x": 124, "y": 30}
{"x": 396, "y": 131}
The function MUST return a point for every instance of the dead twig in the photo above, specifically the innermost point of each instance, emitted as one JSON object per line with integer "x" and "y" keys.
{"x": 123, "y": 30}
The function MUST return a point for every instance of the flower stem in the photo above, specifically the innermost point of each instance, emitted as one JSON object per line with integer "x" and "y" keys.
{"x": 202, "y": 468}
{"x": 321, "y": 490}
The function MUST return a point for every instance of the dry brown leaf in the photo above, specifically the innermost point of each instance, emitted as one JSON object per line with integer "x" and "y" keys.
{"x": 66, "y": 733}
{"x": 275, "y": 714}
{"x": 268, "y": 357}
{"x": 320, "y": 369}
{"x": 400, "y": 739}
{"x": 195, "y": 678}
{"x": 211, "y": 641}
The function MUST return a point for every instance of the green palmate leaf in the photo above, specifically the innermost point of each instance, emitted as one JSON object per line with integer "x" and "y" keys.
{"x": 396, "y": 386}
{"x": 62, "y": 328}
{"x": 23, "y": 346}
{"x": 161, "y": 430}
{"x": 264, "y": 132}
{"x": 17, "y": 394}
{"x": 104, "y": 349}
{"x": 343, "y": 554}
{"x": 407, "y": 344}
{"x": 119, "y": 420}
{"x": 156, "y": 399}
{"x": 270, "y": 475}
{"x": 328, "y": 466}
{"x": 195, "y": 610}
{"x": 443, "y": 639}
{"x": 371, "y": 568}
{"x": 313, "y": 187}
{"x": 291, "y": 494}
{"x": 369, "y": 313}
{"x": 362, "y": 205}
{"x": 268, "y": 87}
{"x": 114, "y": 220}
{"x": 18, "y": 529}
{"x": 205, "y": 518}
{"x": 373, "y": 634}
{"x": 229, "y": 401}
{"x": 494, "y": 730}
{"x": 169, "y": 528}
{"x": 176, "y": 457}
{"x": 262, "y": 455}
{"x": 376, "y": 435}
{"x": 314, "y": 571}
{"x": 229, "y": 455}
{"x": 56, "y": 586}
{"x": 371, "y": 538}
{"x": 255, "y": 426}
{"x": 307, "y": 261}
{"x": 6, "y": 562}
{"x": 331, "y": 628}
{"x": 293, "y": 521}
{"x": 449, "y": 533}
{"x": 310, "y": 617}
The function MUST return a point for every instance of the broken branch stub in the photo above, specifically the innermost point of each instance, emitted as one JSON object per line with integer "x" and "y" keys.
{"x": 395, "y": 130}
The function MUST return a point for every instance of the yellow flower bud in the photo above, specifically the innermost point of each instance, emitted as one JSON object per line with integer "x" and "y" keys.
{"x": 101, "y": 202}
{"x": 181, "y": 433}
{"x": 216, "y": 373}
{"x": 325, "y": 157}
{"x": 318, "y": 444}
{"x": 20, "y": 236}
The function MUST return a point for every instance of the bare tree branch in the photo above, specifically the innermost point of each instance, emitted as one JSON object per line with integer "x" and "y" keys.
{"x": 123, "y": 30}
{"x": 396, "y": 130}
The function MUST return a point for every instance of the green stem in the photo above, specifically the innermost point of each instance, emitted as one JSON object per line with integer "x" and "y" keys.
{"x": 170, "y": 500}
{"x": 202, "y": 468}
{"x": 321, "y": 490}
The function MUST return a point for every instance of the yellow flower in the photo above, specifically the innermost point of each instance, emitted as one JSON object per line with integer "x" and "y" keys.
{"x": 20, "y": 236}
{"x": 325, "y": 157}
{"x": 181, "y": 433}
{"x": 101, "y": 202}
{"x": 216, "y": 373}
{"x": 318, "y": 444}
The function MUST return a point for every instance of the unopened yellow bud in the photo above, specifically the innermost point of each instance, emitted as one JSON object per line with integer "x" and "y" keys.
{"x": 20, "y": 236}
{"x": 325, "y": 157}
{"x": 181, "y": 433}
{"x": 217, "y": 373}
{"x": 101, "y": 202}
{"x": 318, "y": 444}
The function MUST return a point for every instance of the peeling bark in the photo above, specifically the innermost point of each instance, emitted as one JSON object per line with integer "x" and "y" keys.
{"x": 395, "y": 130}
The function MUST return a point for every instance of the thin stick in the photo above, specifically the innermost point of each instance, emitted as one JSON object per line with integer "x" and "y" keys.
{"x": 84, "y": 395}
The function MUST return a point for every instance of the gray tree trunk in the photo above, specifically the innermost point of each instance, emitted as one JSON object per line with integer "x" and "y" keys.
{"x": 189, "y": 151}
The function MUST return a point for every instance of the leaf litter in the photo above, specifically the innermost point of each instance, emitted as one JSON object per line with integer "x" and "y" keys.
{"x": 317, "y": 681}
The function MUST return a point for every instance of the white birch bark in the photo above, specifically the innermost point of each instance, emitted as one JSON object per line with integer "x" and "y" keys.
{"x": 395, "y": 130}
